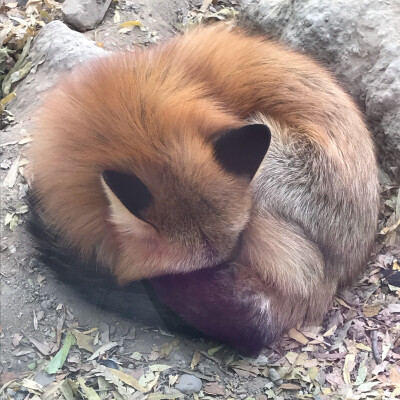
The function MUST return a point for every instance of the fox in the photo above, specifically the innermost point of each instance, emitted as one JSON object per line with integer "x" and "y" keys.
{"x": 232, "y": 173}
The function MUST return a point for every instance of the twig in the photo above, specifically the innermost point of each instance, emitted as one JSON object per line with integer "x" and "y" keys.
{"x": 374, "y": 343}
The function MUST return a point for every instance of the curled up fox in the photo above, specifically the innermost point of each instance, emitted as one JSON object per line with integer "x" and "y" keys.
{"x": 233, "y": 173}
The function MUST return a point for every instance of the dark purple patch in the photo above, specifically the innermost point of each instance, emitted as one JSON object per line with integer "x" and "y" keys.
{"x": 219, "y": 303}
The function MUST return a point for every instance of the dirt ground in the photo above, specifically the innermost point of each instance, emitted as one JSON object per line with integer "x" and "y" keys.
{"x": 37, "y": 310}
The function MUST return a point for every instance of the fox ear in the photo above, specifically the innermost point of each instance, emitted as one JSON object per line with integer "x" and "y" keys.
{"x": 129, "y": 190}
{"x": 241, "y": 151}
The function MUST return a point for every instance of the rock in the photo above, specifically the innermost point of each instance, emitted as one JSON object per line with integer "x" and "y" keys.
{"x": 56, "y": 49}
{"x": 42, "y": 378}
{"x": 189, "y": 384}
{"x": 84, "y": 14}
{"x": 360, "y": 42}
{"x": 275, "y": 377}
{"x": 45, "y": 304}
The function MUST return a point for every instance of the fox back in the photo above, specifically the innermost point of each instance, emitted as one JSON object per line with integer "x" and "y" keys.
{"x": 155, "y": 163}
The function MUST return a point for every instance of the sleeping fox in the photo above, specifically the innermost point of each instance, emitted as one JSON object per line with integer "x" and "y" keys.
{"x": 233, "y": 173}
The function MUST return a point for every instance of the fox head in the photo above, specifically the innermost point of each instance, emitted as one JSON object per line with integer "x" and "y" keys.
{"x": 185, "y": 211}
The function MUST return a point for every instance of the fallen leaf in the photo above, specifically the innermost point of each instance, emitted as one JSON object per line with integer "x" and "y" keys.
{"x": 11, "y": 219}
{"x": 394, "y": 308}
{"x": 349, "y": 364}
{"x": 45, "y": 349}
{"x": 66, "y": 390}
{"x": 5, "y": 100}
{"x": 298, "y": 336}
{"x": 83, "y": 341}
{"x": 367, "y": 386}
{"x": 103, "y": 349}
{"x": 136, "y": 356}
{"x": 11, "y": 177}
{"x": 214, "y": 388}
{"x": 58, "y": 360}
{"x": 90, "y": 393}
{"x": 130, "y": 24}
{"x": 159, "y": 367}
{"x": 172, "y": 380}
{"x": 330, "y": 331}
{"x": 32, "y": 386}
{"x": 380, "y": 368}
{"x": 128, "y": 379}
{"x": 371, "y": 310}
{"x": 362, "y": 346}
{"x": 195, "y": 359}
{"x": 214, "y": 350}
{"x": 167, "y": 348}
{"x": 289, "y": 386}
{"x": 117, "y": 17}
{"x": 342, "y": 302}
{"x": 362, "y": 370}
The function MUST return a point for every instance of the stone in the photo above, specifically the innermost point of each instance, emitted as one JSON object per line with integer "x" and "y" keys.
{"x": 84, "y": 14}
{"x": 275, "y": 377}
{"x": 46, "y": 304}
{"x": 359, "y": 41}
{"x": 56, "y": 49}
{"x": 42, "y": 378}
{"x": 189, "y": 384}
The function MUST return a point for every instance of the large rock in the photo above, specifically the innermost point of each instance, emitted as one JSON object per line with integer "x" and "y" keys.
{"x": 56, "y": 49}
{"x": 84, "y": 14}
{"x": 359, "y": 41}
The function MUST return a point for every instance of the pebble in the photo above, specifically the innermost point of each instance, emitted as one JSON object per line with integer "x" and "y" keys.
{"x": 43, "y": 378}
{"x": 189, "y": 384}
{"x": 275, "y": 377}
{"x": 46, "y": 304}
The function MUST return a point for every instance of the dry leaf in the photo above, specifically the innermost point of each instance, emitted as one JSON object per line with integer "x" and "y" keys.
{"x": 395, "y": 376}
{"x": 130, "y": 24}
{"x": 371, "y": 310}
{"x": 117, "y": 17}
{"x": 128, "y": 379}
{"x": 349, "y": 364}
{"x": 103, "y": 349}
{"x": 45, "y": 349}
{"x": 215, "y": 389}
{"x": 298, "y": 336}
{"x": 195, "y": 359}
{"x": 342, "y": 302}
{"x": 394, "y": 308}
{"x": 172, "y": 379}
{"x": 289, "y": 386}
{"x": 83, "y": 341}
{"x": 214, "y": 350}
{"x": 11, "y": 177}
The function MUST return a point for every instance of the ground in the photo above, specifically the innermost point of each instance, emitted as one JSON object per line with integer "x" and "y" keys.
{"x": 353, "y": 353}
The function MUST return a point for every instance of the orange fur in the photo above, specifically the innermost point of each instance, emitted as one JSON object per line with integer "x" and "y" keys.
{"x": 154, "y": 113}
